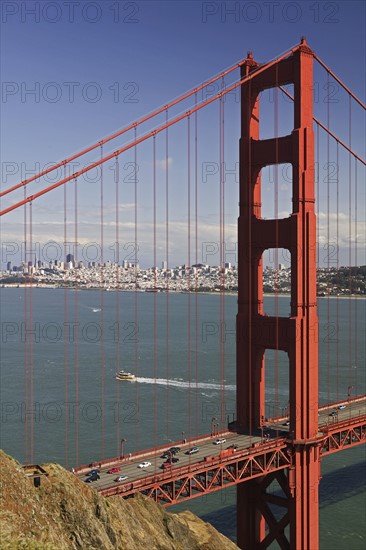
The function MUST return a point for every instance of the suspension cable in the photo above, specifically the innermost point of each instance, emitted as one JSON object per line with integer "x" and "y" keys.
{"x": 327, "y": 130}
{"x": 339, "y": 81}
{"x": 148, "y": 135}
{"x": 125, "y": 130}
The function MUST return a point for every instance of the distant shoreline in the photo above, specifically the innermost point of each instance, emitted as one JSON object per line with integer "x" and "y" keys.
{"x": 150, "y": 291}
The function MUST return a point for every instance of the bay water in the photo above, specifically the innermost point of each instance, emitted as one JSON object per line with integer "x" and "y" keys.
{"x": 60, "y": 401}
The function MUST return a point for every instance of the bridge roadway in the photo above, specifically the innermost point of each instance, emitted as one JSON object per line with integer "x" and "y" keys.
{"x": 273, "y": 428}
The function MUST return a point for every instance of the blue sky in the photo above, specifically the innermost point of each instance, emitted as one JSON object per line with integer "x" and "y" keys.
{"x": 96, "y": 66}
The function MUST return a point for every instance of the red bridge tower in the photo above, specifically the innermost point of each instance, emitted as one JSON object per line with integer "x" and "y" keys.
{"x": 297, "y": 335}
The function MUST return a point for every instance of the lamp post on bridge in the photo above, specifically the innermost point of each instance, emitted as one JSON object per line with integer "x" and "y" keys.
{"x": 349, "y": 390}
{"x": 123, "y": 441}
{"x": 213, "y": 425}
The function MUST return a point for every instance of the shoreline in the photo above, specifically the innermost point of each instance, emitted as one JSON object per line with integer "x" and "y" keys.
{"x": 151, "y": 291}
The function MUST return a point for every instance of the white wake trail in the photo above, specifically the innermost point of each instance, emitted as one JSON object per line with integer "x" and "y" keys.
{"x": 183, "y": 384}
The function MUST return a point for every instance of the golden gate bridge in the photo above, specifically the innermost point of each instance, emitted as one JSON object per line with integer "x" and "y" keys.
{"x": 253, "y": 451}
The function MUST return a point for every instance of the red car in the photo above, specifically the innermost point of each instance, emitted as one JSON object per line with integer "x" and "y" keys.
{"x": 113, "y": 470}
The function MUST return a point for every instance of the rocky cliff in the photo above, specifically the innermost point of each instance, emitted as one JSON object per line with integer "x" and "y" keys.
{"x": 65, "y": 513}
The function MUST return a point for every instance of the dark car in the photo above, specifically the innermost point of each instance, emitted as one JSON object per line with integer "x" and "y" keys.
{"x": 173, "y": 459}
{"x": 333, "y": 413}
{"x": 192, "y": 451}
{"x": 93, "y": 477}
{"x": 174, "y": 450}
{"x": 232, "y": 446}
{"x": 165, "y": 455}
{"x": 93, "y": 472}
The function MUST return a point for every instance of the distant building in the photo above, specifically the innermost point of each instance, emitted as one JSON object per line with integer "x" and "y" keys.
{"x": 70, "y": 258}
{"x": 8, "y": 266}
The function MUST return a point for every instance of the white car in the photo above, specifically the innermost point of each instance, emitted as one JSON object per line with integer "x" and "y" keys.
{"x": 144, "y": 464}
{"x": 341, "y": 407}
{"x": 121, "y": 478}
{"x": 219, "y": 441}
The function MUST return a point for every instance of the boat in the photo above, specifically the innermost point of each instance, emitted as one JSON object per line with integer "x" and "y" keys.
{"x": 122, "y": 375}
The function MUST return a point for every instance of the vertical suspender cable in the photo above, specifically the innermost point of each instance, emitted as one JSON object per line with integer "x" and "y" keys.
{"x": 76, "y": 331}
{"x": 356, "y": 273}
{"x": 102, "y": 297}
{"x": 222, "y": 263}
{"x": 117, "y": 331}
{"x": 189, "y": 268}
{"x": 337, "y": 297}
{"x": 66, "y": 382}
{"x": 276, "y": 261}
{"x": 25, "y": 298}
{"x": 31, "y": 388}
{"x": 167, "y": 273}
{"x": 328, "y": 243}
{"x": 154, "y": 294}
{"x": 196, "y": 254}
{"x": 135, "y": 297}
{"x": 350, "y": 244}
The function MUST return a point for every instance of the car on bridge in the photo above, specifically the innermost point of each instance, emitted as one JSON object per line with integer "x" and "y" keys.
{"x": 341, "y": 407}
{"x": 121, "y": 478}
{"x": 333, "y": 413}
{"x": 93, "y": 477}
{"x": 144, "y": 464}
{"x": 219, "y": 441}
{"x": 113, "y": 470}
{"x": 166, "y": 465}
{"x": 174, "y": 450}
{"x": 192, "y": 451}
{"x": 93, "y": 472}
{"x": 172, "y": 459}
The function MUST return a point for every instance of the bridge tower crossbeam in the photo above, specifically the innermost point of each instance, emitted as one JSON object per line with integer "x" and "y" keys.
{"x": 295, "y": 335}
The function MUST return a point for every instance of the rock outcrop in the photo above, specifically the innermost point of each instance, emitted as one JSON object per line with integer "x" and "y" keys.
{"x": 65, "y": 513}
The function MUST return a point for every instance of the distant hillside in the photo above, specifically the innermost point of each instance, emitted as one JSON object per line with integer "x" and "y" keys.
{"x": 65, "y": 513}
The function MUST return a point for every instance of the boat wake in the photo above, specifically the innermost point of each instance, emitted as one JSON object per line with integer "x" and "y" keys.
{"x": 184, "y": 384}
